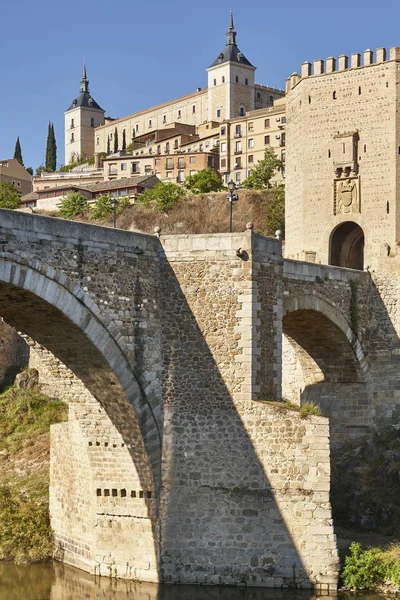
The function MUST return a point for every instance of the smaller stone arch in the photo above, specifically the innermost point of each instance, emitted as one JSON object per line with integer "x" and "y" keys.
{"x": 323, "y": 340}
{"x": 346, "y": 246}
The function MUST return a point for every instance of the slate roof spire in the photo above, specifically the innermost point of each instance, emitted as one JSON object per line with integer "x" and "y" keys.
{"x": 231, "y": 33}
{"x": 84, "y": 80}
{"x": 231, "y": 52}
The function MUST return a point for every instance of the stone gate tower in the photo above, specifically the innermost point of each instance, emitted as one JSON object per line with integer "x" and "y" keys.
{"x": 81, "y": 118}
{"x": 343, "y": 160}
{"x": 230, "y": 81}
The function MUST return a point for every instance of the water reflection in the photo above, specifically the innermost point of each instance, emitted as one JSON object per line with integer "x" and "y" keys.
{"x": 59, "y": 582}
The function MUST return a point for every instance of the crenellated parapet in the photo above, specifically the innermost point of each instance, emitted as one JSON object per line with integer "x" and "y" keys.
{"x": 342, "y": 63}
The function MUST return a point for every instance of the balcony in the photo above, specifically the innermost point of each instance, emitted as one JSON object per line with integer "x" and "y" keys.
{"x": 238, "y": 152}
{"x": 237, "y": 135}
{"x": 238, "y": 166}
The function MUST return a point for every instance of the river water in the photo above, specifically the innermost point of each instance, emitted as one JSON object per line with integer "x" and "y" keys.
{"x": 59, "y": 582}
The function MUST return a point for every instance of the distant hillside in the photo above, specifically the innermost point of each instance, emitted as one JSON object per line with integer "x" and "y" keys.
{"x": 204, "y": 213}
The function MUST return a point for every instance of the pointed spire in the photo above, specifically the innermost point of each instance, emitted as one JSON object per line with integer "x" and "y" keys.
{"x": 231, "y": 33}
{"x": 84, "y": 80}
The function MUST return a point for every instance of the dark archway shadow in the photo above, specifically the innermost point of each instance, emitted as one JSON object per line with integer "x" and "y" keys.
{"x": 346, "y": 246}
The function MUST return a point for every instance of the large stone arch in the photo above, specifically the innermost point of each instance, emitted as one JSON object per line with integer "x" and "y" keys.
{"x": 45, "y": 305}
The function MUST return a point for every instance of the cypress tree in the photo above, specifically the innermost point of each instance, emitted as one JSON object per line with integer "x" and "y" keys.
{"x": 108, "y": 145}
{"x": 123, "y": 140}
{"x": 18, "y": 153}
{"x": 115, "y": 140}
{"x": 51, "y": 150}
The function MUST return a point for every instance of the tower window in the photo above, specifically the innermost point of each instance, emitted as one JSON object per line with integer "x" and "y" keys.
{"x": 91, "y": 122}
{"x": 164, "y": 119}
{"x": 359, "y": 91}
{"x": 97, "y": 141}
{"x": 215, "y": 82}
{"x": 194, "y": 109}
{"x": 218, "y": 113}
{"x": 329, "y": 153}
{"x": 334, "y": 95}
{"x": 72, "y": 123}
{"x": 179, "y": 114}
{"x": 137, "y": 127}
{"x": 72, "y": 137}
{"x": 241, "y": 112}
{"x": 223, "y": 78}
{"x": 149, "y": 123}
{"x": 271, "y": 100}
{"x": 237, "y": 79}
{"x": 246, "y": 81}
{"x": 258, "y": 95}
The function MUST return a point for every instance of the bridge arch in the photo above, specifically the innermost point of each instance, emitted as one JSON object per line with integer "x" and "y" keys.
{"x": 45, "y": 305}
{"x": 319, "y": 346}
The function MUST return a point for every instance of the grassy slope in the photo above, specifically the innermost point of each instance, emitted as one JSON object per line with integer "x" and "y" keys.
{"x": 204, "y": 213}
{"x": 25, "y": 419}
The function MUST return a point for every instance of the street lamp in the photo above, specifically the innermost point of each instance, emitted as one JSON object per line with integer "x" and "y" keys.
{"x": 231, "y": 198}
{"x": 114, "y": 204}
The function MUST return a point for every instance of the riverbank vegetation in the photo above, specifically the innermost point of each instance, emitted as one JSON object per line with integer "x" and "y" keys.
{"x": 372, "y": 568}
{"x": 25, "y": 419}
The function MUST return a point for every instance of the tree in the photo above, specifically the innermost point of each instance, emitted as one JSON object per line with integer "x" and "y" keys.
{"x": 162, "y": 196}
{"x": 275, "y": 219}
{"x": 30, "y": 170}
{"x": 18, "y": 153}
{"x": 39, "y": 170}
{"x": 103, "y": 206}
{"x": 204, "y": 181}
{"x": 9, "y": 197}
{"x": 74, "y": 205}
{"x": 115, "y": 140}
{"x": 108, "y": 146}
{"x": 51, "y": 150}
{"x": 123, "y": 140}
{"x": 263, "y": 171}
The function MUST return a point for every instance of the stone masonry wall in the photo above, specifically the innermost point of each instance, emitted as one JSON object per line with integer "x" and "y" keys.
{"x": 245, "y": 492}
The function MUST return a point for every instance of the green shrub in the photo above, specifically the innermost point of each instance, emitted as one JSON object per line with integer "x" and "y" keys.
{"x": 310, "y": 408}
{"x": 162, "y": 196}
{"x": 9, "y": 197}
{"x": 363, "y": 569}
{"x": 204, "y": 181}
{"x": 25, "y": 533}
{"x": 74, "y": 205}
{"x": 102, "y": 207}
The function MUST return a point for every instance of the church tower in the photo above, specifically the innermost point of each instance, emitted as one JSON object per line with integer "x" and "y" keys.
{"x": 81, "y": 118}
{"x": 230, "y": 81}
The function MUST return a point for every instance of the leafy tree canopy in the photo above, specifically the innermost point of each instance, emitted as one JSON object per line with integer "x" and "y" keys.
{"x": 275, "y": 219}
{"x": 74, "y": 205}
{"x": 204, "y": 181}
{"x": 263, "y": 172}
{"x": 9, "y": 197}
{"x": 162, "y": 196}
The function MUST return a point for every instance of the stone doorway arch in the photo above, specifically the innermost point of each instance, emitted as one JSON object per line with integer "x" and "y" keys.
{"x": 346, "y": 246}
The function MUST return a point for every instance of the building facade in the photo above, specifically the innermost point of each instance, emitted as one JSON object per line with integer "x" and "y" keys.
{"x": 343, "y": 160}
{"x": 231, "y": 92}
{"x": 13, "y": 172}
{"x": 80, "y": 121}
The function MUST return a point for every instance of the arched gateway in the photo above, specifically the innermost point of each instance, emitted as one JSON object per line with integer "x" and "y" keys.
{"x": 346, "y": 246}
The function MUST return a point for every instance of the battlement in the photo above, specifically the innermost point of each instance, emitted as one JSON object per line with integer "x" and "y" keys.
{"x": 332, "y": 65}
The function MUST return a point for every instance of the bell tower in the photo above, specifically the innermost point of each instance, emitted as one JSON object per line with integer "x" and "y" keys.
{"x": 230, "y": 81}
{"x": 81, "y": 118}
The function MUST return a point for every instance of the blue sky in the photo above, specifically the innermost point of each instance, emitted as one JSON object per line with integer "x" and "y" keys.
{"x": 142, "y": 53}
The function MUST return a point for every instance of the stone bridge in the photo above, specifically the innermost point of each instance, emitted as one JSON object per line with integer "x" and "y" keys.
{"x": 175, "y": 464}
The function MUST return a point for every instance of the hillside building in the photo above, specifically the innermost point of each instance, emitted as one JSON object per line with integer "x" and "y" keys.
{"x": 13, "y": 172}
{"x": 231, "y": 92}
